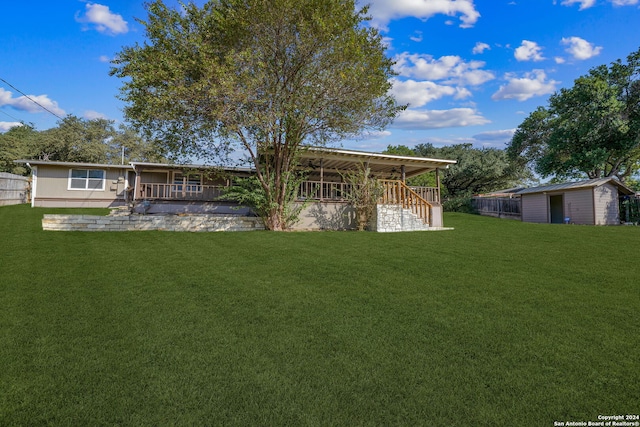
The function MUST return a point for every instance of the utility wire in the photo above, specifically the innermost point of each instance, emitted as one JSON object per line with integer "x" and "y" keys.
{"x": 29, "y": 98}
{"x": 7, "y": 114}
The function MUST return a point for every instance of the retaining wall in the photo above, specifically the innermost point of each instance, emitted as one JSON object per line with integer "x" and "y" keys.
{"x": 150, "y": 222}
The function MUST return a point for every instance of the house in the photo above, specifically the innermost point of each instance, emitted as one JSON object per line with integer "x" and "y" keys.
{"x": 593, "y": 202}
{"x": 78, "y": 185}
{"x": 154, "y": 188}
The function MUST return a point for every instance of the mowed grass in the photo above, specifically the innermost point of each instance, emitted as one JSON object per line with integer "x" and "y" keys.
{"x": 495, "y": 323}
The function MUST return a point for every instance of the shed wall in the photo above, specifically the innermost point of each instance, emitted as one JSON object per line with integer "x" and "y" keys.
{"x": 535, "y": 208}
{"x": 607, "y": 207}
{"x": 578, "y": 206}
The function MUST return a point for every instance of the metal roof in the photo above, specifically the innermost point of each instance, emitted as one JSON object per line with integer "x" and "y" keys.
{"x": 386, "y": 164}
{"x": 73, "y": 164}
{"x": 577, "y": 185}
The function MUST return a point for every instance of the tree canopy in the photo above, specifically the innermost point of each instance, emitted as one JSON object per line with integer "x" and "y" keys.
{"x": 478, "y": 170}
{"x": 266, "y": 76}
{"x": 591, "y": 129}
{"x": 75, "y": 140}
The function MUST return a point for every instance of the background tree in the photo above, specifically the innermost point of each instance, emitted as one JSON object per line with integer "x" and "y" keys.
{"x": 17, "y": 143}
{"x": 478, "y": 170}
{"x": 264, "y": 75}
{"x": 589, "y": 130}
{"x": 75, "y": 140}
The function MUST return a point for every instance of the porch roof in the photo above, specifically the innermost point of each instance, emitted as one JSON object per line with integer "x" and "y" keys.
{"x": 380, "y": 164}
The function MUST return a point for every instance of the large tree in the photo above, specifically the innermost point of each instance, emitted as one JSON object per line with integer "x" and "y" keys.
{"x": 268, "y": 76}
{"x": 591, "y": 129}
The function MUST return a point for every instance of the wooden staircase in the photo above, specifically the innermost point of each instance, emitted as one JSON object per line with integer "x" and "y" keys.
{"x": 396, "y": 192}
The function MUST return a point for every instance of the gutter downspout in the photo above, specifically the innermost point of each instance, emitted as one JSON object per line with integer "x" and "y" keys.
{"x": 34, "y": 183}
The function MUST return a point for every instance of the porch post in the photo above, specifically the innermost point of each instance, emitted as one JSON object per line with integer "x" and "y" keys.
{"x": 321, "y": 179}
{"x": 136, "y": 184}
{"x": 438, "y": 182}
{"x": 403, "y": 171}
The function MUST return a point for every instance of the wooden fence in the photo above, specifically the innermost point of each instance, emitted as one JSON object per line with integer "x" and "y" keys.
{"x": 14, "y": 189}
{"x": 630, "y": 209}
{"x": 500, "y": 207}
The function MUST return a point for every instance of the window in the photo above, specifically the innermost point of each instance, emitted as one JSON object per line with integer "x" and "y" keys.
{"x": 86, "y": 179}
{"x": 192, "y": 182}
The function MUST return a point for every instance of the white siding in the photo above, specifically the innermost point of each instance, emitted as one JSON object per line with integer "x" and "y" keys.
{"x": 578, "y": 206}
{"x": 534, "y": 208}
{"x": 606, "y": 205}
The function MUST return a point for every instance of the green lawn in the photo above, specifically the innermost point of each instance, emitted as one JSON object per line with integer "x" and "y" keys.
{"x": 495, "y": 323}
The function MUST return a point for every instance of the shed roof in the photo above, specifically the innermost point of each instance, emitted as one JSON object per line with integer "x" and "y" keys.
{"x": 590, "y": 183}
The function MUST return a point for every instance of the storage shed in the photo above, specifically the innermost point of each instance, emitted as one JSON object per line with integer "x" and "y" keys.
{"x": 592, "y": 202}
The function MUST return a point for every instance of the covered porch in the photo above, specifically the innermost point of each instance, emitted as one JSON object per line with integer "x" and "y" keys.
{"x": 324, "y": 167}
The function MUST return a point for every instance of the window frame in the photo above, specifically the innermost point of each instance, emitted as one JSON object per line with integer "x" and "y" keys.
{"x": 187, "y": 182}
{"x": 87, "y": 179}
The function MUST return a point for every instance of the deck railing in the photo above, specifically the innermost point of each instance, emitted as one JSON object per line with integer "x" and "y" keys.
{"x": 430, "y": 194}
{"x": 398, "y": 193}
{"x": 308, "y": 190}
{"x": 319, "y": 190}
{"x": 180, "y": 191}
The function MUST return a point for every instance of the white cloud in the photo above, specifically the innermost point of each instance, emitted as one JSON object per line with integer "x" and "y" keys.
{"x": 104, "y": 58}
{"x": 532, "y": 84}
{"x": 580, "y": 48}
{"x": 383, "y": 11}
{"x": 480, "y": 48}
{"x": 29, "y": 105}
{"x": 5, "y": 97}
{"x": 495, "y": 138}
{"x": 435, "y": 119}
{"x": 584, "y": 4}
{"x": 417, "y": 94}
{"x": 449, "y": 69}
{"x": 92, "y": 115}
{"x": 417, "y": 37}
{"x": 624, "y": 2}
{"x": 5, "y": 126}
{"x": 103, "y": 19}
{"x": 559, "y": 60}
{"x": 529, "y": 51}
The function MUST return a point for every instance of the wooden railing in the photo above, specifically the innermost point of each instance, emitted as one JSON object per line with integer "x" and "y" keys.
{"x": 398, "y": 193}
{"x": 430, "y": 194}
{"x": 418, "y": 199}
{"x": 180, "y": 191}
{"x": 317, "y": 190}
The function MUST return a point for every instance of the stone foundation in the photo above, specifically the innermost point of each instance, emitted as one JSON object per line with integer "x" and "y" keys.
{"x": 393, "y": 218}
{"x": 192, "y": 223}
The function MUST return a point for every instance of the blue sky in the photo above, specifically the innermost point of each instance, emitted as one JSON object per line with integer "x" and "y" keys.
{"x": 470, "y": 70}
